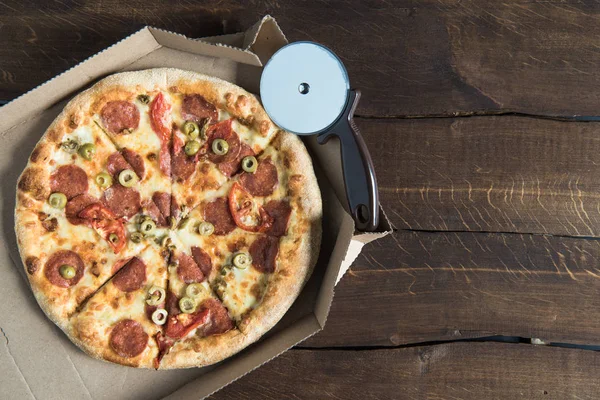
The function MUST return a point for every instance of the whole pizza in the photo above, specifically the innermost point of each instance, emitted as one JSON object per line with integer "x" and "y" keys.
{"x": 164, "y": 221}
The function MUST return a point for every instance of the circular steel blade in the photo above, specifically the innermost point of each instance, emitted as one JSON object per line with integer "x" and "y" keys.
{"x": 304, "y": 88}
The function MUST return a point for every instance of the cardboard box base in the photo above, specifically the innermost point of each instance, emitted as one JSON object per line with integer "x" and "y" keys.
{"x": 37, "y": 359}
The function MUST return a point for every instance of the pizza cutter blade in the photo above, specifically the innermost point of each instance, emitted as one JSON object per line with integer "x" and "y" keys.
{"x": 305, "y": 90}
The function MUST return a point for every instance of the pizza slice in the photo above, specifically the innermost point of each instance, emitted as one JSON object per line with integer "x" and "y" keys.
{"x": 195, "y": 314}
{"x": 66, "y": 263}
{"x": 121, "y": 321}
{"x": 216, "y": 125}
{"x": 138, "y": 121}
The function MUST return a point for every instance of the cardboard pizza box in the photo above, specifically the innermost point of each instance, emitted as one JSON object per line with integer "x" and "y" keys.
{"x": 36, "y": 359}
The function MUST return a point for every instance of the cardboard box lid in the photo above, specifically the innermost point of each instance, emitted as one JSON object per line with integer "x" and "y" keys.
{"x": 37, "y": 359}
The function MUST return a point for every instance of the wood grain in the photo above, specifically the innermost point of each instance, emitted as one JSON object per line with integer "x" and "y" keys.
{"x": 497, "y": 216}
{"x": 414, "y": 287}
{"x": 488, "y": 174}
{"x": 433, "y": 57}
{"x": 454, "y": 371}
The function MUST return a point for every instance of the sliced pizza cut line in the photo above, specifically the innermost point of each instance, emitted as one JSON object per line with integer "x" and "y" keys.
{"x": 122, "y": 320}
{"x": 194, "y": 312}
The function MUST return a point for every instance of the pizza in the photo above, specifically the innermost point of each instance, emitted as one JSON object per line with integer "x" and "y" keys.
{"x": 164, "y": 221}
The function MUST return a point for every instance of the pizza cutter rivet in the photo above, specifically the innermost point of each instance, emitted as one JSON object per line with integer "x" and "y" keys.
{"x": 303, "y": 88}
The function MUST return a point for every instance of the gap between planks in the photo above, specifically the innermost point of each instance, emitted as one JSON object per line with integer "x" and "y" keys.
{"x": 470, "y": 114}
{"x": 483, "y": 339}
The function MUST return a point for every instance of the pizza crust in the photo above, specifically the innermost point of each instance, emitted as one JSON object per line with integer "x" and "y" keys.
{"x": 298, "y": 250}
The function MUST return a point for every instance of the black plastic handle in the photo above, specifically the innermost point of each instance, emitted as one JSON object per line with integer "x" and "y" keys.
{"x": 359, "y": 174}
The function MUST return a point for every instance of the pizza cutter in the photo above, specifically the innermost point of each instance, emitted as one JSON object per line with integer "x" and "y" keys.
{"x": 305, "y": 90}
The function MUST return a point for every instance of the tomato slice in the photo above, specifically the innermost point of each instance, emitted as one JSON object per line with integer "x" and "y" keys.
{"x": 161, "y": 124}
{"x": 180, "y": 325}
{"x": 164, "y": 344}
{"x": 105, "y": 222}
{"x": 159, "y": 117}
{"x": 96, "y": 211}
{"x": 246, "y": 213}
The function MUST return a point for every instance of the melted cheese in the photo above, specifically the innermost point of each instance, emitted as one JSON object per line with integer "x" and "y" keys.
{"x": 110, "y": 305}
{"x": 240, "y": 290}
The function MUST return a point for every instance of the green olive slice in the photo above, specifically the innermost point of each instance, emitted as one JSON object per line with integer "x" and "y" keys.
{"x": 136, "y": 237}
{"x": 190, "y": 128}
{"x": 187, "y": 305}
{"x": 70, "y": 146}
{"x": 159, "y": 316}
{"x": 87, "y": 151}
{"x": 156, "y": 295}
{"x": 127, "y": 178}
{"x": 195, "y": 290}
{"x": 67, "y": 271}
{"x": 57, "y": 200}
{"x": 249, "y": 164}
{"x": 220, "y": 147}
{"x": 166, "y": 241}
{"x": 206, "y": 228}
{"x": 192, "y": 147}
{"x": 113, "y": 238}
{"x": 147, "y": 226}
{"x": 143, "y": 98}
{"x": 242, "y": 260}
{"x": 172, "y": 223}
{"x": 183, "y": 223}
{"x": 104, "y": 180}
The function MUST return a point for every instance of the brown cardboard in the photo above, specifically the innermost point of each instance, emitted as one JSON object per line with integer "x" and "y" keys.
{"x": 36, "y": 359}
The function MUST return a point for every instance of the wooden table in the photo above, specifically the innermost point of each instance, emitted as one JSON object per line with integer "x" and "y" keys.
{"x": 471, "y": 110}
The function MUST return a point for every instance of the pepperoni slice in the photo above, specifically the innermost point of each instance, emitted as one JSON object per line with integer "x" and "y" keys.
{"x": 116, "y": 163}
{"x": 223, "y": 130}
{"x": 172, "y": 304}
{"x": 152, "y": 210}
{"x": 120, "y": 115}
{"x": 196, "y": 108}
{"x": 203, "y": 260}
{"x": 187, "y": 269}
{"x": 70, "y": 180}
{"x": 136, "y": 161}
{"x": 118, "y": 265}
{"x": 76, "y": 205}
{"x": 264, "y": 252}
{"x": 63, "y": 257}
{"x": 231, "y": 167}
{"x": 132, "y": 276}
{"x": 219, "y": 320}
{"x": 161, "y": 124}
{"x": 163, "y": 201}
{"x": 126, "y": 159}
{"x": 217, "y": 213}
{"x": 128, "y": 338}
{"x": 175, "y": 210}
{"x": 280, "y": 211}
{"x": 263, "y": 181}
{"x": 124, "y": 202}
{"x": 182, "y": 166}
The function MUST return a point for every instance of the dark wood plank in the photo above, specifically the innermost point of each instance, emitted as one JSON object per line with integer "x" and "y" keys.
{"x": 458, "y": 371}
{"x": 507, "y": 174}
{"x": 415, "y": 287}
{"x": 409, "y": 58}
